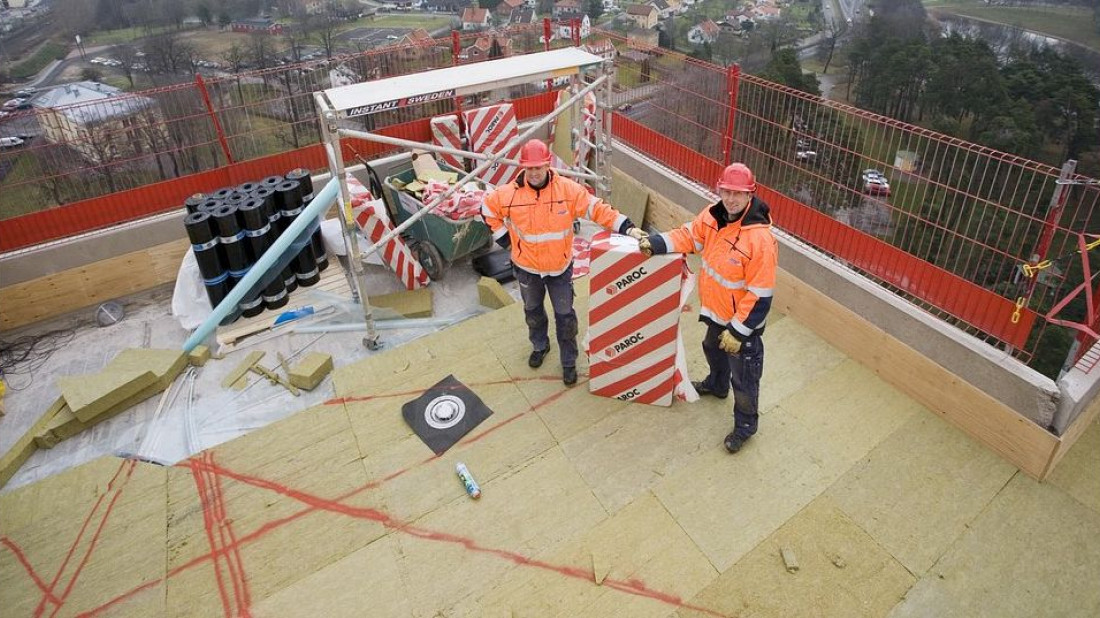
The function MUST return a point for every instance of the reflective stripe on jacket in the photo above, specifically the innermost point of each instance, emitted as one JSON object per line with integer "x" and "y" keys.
{"x": 539, "y": 223}
{"x": 739, "y": 262}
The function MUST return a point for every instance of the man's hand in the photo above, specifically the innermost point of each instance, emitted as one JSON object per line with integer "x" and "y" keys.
{"x": 637, "y": 233}
{"x": 728, "y": 343}
{"x": 645, "y": 247}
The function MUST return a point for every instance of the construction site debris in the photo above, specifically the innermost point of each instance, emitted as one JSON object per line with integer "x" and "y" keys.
{"x": 472, "y": 488}
{"x": 789, "y": 559}
{"x": 240, "y": 370}
{"x": 601, "y": 567}
{"x": 493, "y": 295}
{"x": 275, "y": 378}
{"x": 311, "y": 370}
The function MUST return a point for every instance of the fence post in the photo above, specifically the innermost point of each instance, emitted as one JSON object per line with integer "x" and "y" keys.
{"x": 546, "y": 34}
{"x": 214, "y": 118}
{"x": 733, "y": 79}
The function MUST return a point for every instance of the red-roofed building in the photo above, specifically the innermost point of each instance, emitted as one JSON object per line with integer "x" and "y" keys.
{"x": 505, "y": 8}
{"x": 705, "y": 32}
{"x": 475, "y": 19}
{"x": 483, "y": 47}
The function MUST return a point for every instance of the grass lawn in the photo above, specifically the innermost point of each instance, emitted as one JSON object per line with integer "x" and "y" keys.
{"x": 427, "y": 22}
{"x": 17, "y": 196}
{"x": 1070, "y": 23}
{"x": 123, "y": 35}
{"x": 211, "y": 44}
{"x": 48, "y": 52}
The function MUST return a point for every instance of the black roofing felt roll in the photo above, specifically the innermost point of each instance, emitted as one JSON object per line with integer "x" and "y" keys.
{"x": 301, "y": 176}
{"x": 236, "y": 197}
{"x": 205, "y": 245}
{"x": 288, "y": 197}
{"x": 193, "y": 201}
{"x": 247, "y": 187}
{"x": 230, "y": 235}
{"x": 221, "y": 194}
{"x": 251, "y": 214}
{"x": 210, "y": 204}
{"x": 271, "y": 181}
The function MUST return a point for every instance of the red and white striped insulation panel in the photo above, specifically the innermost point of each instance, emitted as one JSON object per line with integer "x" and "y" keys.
{"x": 446, "y": 132}
{"x": 634, "y": 321}
{"x": 488, "y": 130}
{"x": 395, "y": 253}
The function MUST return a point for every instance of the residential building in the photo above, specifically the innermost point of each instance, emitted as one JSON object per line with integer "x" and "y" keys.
{"x": 765, "y": 13}
{"x": 522, "y": 15}
{"x": 417, "y": 43}
{"x": 446, "y": 6}
{"x": 257, "y": 24}
{"x": 505, "y": 8}
{"x": 101, "y": 122}
{"x": 705, "y": 32}
{"x": 567, "y": 9}
{"x": 644, "y": 16}
{"x": 475, "y": 19}
{"x": 482, "y": 48}
{"x": 565, "y": 28}
{"x": 664, "y": 11}
{"x": 603, "y": 48}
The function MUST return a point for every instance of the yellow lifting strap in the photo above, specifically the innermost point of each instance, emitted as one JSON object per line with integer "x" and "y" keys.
{"x": 1031, "y": 270}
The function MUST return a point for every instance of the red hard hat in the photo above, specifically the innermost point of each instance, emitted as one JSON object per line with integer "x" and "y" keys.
{"x": 737, "y": 177}
{"x": 534, "y": 153}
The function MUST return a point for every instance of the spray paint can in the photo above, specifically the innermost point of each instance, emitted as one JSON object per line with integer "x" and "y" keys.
{"x": 472, "y": 488}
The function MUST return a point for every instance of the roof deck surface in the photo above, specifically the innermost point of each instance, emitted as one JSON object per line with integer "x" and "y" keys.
{"x": 590, "y": 506}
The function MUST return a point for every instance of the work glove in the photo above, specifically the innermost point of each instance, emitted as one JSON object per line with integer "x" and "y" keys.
{"x": 637, "y": 233}
{"x": 728, "y": 343}
{"x": 645, "y": 247}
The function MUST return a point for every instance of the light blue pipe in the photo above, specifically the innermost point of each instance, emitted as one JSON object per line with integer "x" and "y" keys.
{"x": 320, "y": 203}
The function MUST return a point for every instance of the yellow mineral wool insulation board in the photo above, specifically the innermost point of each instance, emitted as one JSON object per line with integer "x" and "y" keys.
{"x": 25, "y": 446}
{"x": 629, "y": 197}
{"x": 72, "y": 289}
{"x": 65, "y": 424}
{"x": 166, "y": 364}
{"x": 312, "y": 369}
{"x": 492, "y": 295}
{"x": 90, "y": 395}
{"x": 409, "y": 304}
{"x": 563, "y": 124}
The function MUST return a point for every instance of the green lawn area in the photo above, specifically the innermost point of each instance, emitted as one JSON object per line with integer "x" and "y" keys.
{"x": 18, "y": 197}
{"x": 427, "y": 22}
{"x": 1070, "y": 23}
{"x": 48, "y": 52}
{"x": 124, "y": 35}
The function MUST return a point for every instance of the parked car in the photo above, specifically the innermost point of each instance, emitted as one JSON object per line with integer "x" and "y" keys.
{"x": 26, "y": 93}
{"x": 10, "y": 142}
{"x": 17, "y": 104}
{"x": 874, "y": 182}
{"x": 805, "y": 155}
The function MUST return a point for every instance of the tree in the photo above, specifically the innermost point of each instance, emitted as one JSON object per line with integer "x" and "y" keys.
{"x": 91, "y": 74}
{"x": 224, "y": 18}
{"x": 127, "y": 57}
{"x": 167, "y": 53}
{"x": 204, "y": 13}
{"x": 323, "y": 26}
{"x": 785, "y": 69}
{"x": 594, "y": 9}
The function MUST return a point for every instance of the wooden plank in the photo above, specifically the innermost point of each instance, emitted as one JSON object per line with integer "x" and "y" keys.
{"x": 1072, "y": 434}
{"x": 240, "y": 370}
{"x": 1003, "y": 430}
{"x": 75, "y": 288}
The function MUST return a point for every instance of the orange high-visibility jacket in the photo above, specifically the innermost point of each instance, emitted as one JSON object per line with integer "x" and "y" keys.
{"x": 739, "y": 262}
{"x": 539, "y": 224}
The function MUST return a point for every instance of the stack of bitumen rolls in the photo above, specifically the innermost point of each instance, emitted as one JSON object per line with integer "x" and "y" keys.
{"x": 232, "y": 227}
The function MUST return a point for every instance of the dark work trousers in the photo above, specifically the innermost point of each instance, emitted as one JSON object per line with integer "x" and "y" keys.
{"x": 534, "y": 289}
{"x": 741, "y": 372}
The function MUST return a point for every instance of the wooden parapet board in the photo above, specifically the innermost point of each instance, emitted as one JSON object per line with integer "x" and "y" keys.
{"x": 69, "y": 290}
{"x": 1017, "y": 439}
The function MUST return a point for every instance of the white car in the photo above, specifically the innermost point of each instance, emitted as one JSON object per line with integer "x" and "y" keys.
{"x": 875, "y": 182}
{"x": 10, "y": 142}
{"x": 14, "y": 104}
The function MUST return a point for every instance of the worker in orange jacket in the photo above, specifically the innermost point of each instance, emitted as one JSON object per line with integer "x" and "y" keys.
{"x": 534, "y": 215}
{"x": 739, "y": 253}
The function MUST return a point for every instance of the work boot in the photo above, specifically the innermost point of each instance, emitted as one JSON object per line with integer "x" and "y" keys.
{"x": 734, "y": 442}
{"x": 703, "y": 389}
{"x": 535, "y": 360}
{"x": 569, "y": 375}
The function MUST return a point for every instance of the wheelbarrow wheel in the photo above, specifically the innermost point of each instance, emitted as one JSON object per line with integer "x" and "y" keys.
{"x": 429, "y": 257}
